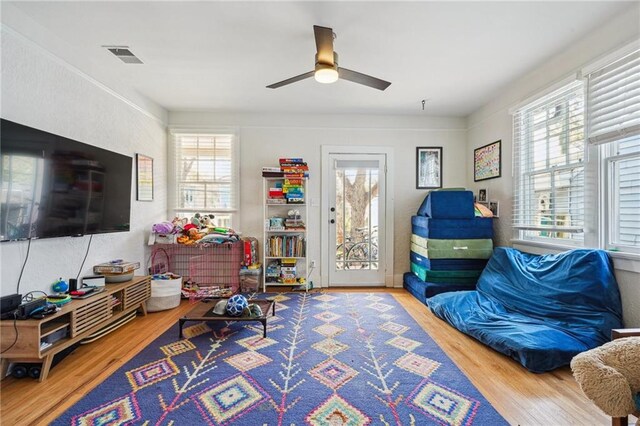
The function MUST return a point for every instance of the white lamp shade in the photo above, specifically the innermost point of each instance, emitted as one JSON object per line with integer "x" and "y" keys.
{"x": 326, "y": 75}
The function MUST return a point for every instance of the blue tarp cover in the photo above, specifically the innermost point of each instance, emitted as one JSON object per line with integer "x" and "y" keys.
{"x": 478, "y": 227}
{"x": 448, "y": 205}
{"x": 539, "y": 310}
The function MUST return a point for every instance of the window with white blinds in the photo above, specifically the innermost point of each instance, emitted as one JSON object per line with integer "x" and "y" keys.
{"x": 613, "y": 96}
{"x": 549, "y": 148}
{"x": 622, "y": 163}
{"x": 206, "y": 175}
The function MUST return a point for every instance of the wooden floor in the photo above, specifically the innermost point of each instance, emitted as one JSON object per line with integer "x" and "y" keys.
{"x": 523, "y": 398}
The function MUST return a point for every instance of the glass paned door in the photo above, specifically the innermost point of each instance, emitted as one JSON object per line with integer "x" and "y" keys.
{"x": 357, "y": 194}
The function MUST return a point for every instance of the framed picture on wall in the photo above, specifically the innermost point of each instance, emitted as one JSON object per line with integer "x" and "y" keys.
{"x": 487, "y": 162}
{"x": 483, "y": 195}
{"x": 494, "y": 206}
{"x": 428, "y": 167}
{"x": 144, "y": 178}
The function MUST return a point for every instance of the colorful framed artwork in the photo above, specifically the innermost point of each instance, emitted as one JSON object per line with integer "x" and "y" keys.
{"x": 487, "y": 161}
{"x": 428, "y": 167}
{"x": 144, "y": 178}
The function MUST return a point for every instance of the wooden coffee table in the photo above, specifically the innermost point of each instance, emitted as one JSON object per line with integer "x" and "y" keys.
{"x": 201, "y": 309}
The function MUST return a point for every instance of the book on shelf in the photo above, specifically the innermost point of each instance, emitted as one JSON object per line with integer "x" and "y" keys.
{"x": 285, "y": 245}
{"x": 293, "y": 164}
{"x": 298, "y": 175}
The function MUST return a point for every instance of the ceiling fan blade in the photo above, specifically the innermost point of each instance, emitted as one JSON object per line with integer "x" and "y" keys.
{"x": 291, "y": 80}
{"x": 360, "y": 78}
{"x": 324, "y": 44}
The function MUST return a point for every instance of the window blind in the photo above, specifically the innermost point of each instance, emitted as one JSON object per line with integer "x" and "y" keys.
{"x": 623, "y": 166}
{"x": 613, "y": 96}
{"x": 548, "y": 165}
{"x": 206, "y": 175}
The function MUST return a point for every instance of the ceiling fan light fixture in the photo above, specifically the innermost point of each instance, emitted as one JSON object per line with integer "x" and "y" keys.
{"x": 326, "y": 75}
{"x": 327, "y": 70}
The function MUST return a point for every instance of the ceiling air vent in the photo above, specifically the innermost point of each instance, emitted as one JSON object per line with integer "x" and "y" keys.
{"x": 124, "y": 54}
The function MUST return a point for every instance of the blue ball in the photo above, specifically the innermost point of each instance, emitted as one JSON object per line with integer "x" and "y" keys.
{"x": 236, "y": 305}
{"x": 60, "y": 286}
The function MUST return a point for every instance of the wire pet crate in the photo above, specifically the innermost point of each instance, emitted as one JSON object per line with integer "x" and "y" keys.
{"x": 207, "y": 265}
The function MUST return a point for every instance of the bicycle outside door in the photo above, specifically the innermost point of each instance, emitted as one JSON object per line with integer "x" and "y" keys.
{"x": 357, "y": 218}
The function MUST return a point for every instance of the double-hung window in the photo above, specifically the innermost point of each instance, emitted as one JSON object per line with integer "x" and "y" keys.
{"x": 205, "y": 175}
{"x": 613, "y": 96}
{"x": 549, "y": 172}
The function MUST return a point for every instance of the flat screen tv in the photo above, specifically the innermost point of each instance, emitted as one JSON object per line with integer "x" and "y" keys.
{"x": 55, "y": 187}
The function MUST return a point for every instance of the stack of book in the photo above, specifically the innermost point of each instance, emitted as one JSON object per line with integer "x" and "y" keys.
{"x": 272, "y": 172}
{"x": 272, "y": 272}
{"x": 288, "y": 270}
{"x": 294, "y": 166}
{"x": 293, "y": 221}
{"x": 294, "y": 224}
{"x": 289, "y": 168}
{"x": 295, "y": 170}
{"x": 276, "y": 192}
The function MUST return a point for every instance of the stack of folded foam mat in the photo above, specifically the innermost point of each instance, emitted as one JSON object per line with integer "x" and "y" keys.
{"x": 450, "y": 245}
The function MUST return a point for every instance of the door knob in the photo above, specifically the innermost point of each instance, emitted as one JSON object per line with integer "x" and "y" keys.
{"x": 333, "y": 209}
{"x": 333, "y": 221}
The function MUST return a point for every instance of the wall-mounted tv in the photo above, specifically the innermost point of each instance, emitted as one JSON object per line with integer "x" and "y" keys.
{"x": 55, "y": 187}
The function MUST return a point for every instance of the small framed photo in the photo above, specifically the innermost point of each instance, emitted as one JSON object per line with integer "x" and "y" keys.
{"x": 428, "y": 167}
{"x": 483, "y": 196}
{"x": 494, "y": 206}
{"x": 144, "y": 178}
{"x": 487, "y": 162}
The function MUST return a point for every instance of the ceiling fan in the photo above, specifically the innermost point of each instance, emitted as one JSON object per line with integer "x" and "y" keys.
{"x": 327, "y": 69}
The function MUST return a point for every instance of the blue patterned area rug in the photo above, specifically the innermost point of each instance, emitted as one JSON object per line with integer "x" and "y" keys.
{"x": 329, "y": 359}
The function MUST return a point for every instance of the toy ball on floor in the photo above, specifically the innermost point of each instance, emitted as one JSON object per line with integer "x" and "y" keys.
{"x": 236, "y": 305}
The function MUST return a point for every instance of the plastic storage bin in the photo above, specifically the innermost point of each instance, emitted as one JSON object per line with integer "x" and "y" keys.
{"x": 165, "y": 294}
{"x": 250, "y": 279}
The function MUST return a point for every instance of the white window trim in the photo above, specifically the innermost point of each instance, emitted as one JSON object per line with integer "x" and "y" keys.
{"x": 596, "y": 220}
{"x": 517, "y": 231}
{"x": 171, "y": 172}
{"x": 608, "y": 223}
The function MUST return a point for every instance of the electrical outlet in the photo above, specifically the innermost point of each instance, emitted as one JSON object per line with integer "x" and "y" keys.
{"x": 312, "y": 264}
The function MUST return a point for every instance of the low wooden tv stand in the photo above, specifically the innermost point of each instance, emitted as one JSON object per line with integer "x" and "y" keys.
{"x": 73, "y": 322}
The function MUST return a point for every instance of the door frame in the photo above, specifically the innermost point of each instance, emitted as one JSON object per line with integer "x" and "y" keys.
{"x": 326, "y": 151}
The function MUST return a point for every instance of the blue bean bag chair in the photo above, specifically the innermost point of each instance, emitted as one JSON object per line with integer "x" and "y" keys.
{"x": 539, "y": 310}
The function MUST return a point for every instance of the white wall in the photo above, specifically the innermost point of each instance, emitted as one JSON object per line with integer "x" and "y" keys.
{"x": 41, "y": 91}
{"x": 265, "y": 137}
{"x": 493, "y": 122}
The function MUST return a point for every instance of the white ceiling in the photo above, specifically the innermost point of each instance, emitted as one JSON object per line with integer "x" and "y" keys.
{"x": 221, "y": 55}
